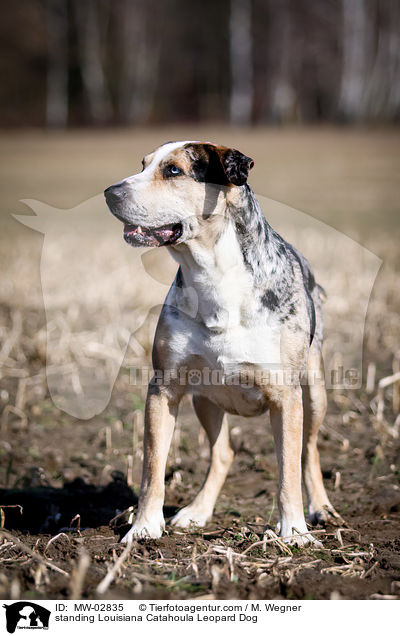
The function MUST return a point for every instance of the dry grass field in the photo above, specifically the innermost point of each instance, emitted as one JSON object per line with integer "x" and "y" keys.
{"x": 65, "y": 481}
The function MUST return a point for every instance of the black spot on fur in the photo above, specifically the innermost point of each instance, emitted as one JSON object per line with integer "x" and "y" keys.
{"x": 179, "y": 278}
{"x": 240, "y": 227}
{"x": 270, "y": 300}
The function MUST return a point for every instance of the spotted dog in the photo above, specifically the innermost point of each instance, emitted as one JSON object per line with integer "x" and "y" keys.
{"x": 245, "y": 305}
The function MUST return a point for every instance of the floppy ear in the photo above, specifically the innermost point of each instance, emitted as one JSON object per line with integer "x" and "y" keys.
{"x": 219, "y": 164}
{"x": 236, "y": 166}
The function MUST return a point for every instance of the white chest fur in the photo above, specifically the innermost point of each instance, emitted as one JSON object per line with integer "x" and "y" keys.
{"x": 221, "y": 317}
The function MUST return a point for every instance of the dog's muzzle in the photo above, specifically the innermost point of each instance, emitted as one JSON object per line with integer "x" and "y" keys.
{"x": 135, "y": 234}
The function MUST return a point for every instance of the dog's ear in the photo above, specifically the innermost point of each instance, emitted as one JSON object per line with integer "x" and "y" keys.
{"x": 236, "y": 166}
{"x": 219, "y": 164}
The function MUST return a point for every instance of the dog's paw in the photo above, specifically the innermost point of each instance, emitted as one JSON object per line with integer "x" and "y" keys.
{"x": 297, "y": 534}
{"x": 146, "y": 529}
{"x": 188, "y": 516}
{"x": 302, "y": 541}
{"x": 324, "y": 515}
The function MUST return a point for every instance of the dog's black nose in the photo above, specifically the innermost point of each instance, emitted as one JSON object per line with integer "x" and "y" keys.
{"x": 113, "y": 194}
{"x": 112, "y": 189}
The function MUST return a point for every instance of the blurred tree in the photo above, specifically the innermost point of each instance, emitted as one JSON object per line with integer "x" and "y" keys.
{"x": 283, "y": 59}
{"x": 382, "y": 87}
{"x": 88, "y": 30}
{"x": 356, "y": 46}
{"x": 57, "y": 68}
{"x": 243, "y": 61}
{"x": 241, "y": 103}
{"x": 140, "y": 55}
{"x": 370, "y": 84}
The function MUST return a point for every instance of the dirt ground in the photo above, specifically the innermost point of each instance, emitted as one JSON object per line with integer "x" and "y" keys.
{"x": 57, "y": 469}
{"x": 66, "y": 484}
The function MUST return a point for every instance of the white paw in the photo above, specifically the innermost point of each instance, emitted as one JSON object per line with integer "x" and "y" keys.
{"x": 190, "y": 516}
{"x": 145, "y": 529}
{"x": 297, "y": 534}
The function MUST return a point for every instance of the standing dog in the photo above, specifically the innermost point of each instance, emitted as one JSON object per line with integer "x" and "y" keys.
{"x": 244, "y": 305}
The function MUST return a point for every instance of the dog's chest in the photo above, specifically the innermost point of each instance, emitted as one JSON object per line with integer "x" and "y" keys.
{"x": 222, "y": 329}
{"x": 226, "y": 365}
{"x": 222, "y": 321}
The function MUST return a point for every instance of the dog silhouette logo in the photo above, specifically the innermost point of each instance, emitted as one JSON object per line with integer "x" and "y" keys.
{"x": 26, "y": 615}
{"x": 90, "y": 326}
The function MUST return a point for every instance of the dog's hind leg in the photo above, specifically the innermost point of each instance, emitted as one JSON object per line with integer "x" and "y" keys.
{"x": 215, "y": 423}
{"x": 320, "y": 509}
{"x": 160, "y": 416}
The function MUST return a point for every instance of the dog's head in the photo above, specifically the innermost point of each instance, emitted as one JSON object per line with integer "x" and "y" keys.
{"x": 182, "y": 187}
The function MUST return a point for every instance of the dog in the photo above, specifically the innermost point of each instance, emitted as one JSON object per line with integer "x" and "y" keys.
{"x": 245, "y": 305}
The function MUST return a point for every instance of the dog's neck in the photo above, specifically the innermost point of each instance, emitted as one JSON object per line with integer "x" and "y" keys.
{"x": 261, "y": 247}
{"x": 231, "y": 272}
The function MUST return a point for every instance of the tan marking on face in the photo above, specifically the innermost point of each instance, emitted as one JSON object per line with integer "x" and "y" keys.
{"x": 177, "y": 158}
{"x": 182, "y": 158}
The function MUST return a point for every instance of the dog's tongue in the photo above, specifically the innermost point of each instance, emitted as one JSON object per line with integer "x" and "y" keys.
{"x": 163, "y": 234}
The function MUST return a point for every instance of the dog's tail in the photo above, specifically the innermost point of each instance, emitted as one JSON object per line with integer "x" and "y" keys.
{"x": 322, "y": 293}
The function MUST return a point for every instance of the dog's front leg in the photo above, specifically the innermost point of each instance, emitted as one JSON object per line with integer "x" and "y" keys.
{"x": 287, "y": 424}
{"x": 161, "y": 411}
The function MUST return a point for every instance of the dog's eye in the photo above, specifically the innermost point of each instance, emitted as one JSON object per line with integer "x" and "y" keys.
{"x": 172, "y": 170}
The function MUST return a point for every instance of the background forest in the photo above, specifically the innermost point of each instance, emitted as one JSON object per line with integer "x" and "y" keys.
{"x": 86, "y": 62}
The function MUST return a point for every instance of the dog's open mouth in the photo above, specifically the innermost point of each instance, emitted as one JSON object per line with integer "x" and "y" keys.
{"x": 148, "y": 236}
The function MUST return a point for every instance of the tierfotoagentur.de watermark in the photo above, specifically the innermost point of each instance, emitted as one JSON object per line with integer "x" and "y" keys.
{"x": 271, "y": 375}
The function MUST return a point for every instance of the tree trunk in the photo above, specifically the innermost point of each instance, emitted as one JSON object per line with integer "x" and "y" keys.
{"x": 90, "y": 55}
{"x": 241, "y": 101}
{"x": 355, "y": 42}
{"x": 140, "y": 55}
{"x": 282, "y": 65}
{"x": 382, "y": 93}
{"x": 57, "y": 69}
{"x": 393, "y": 102}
